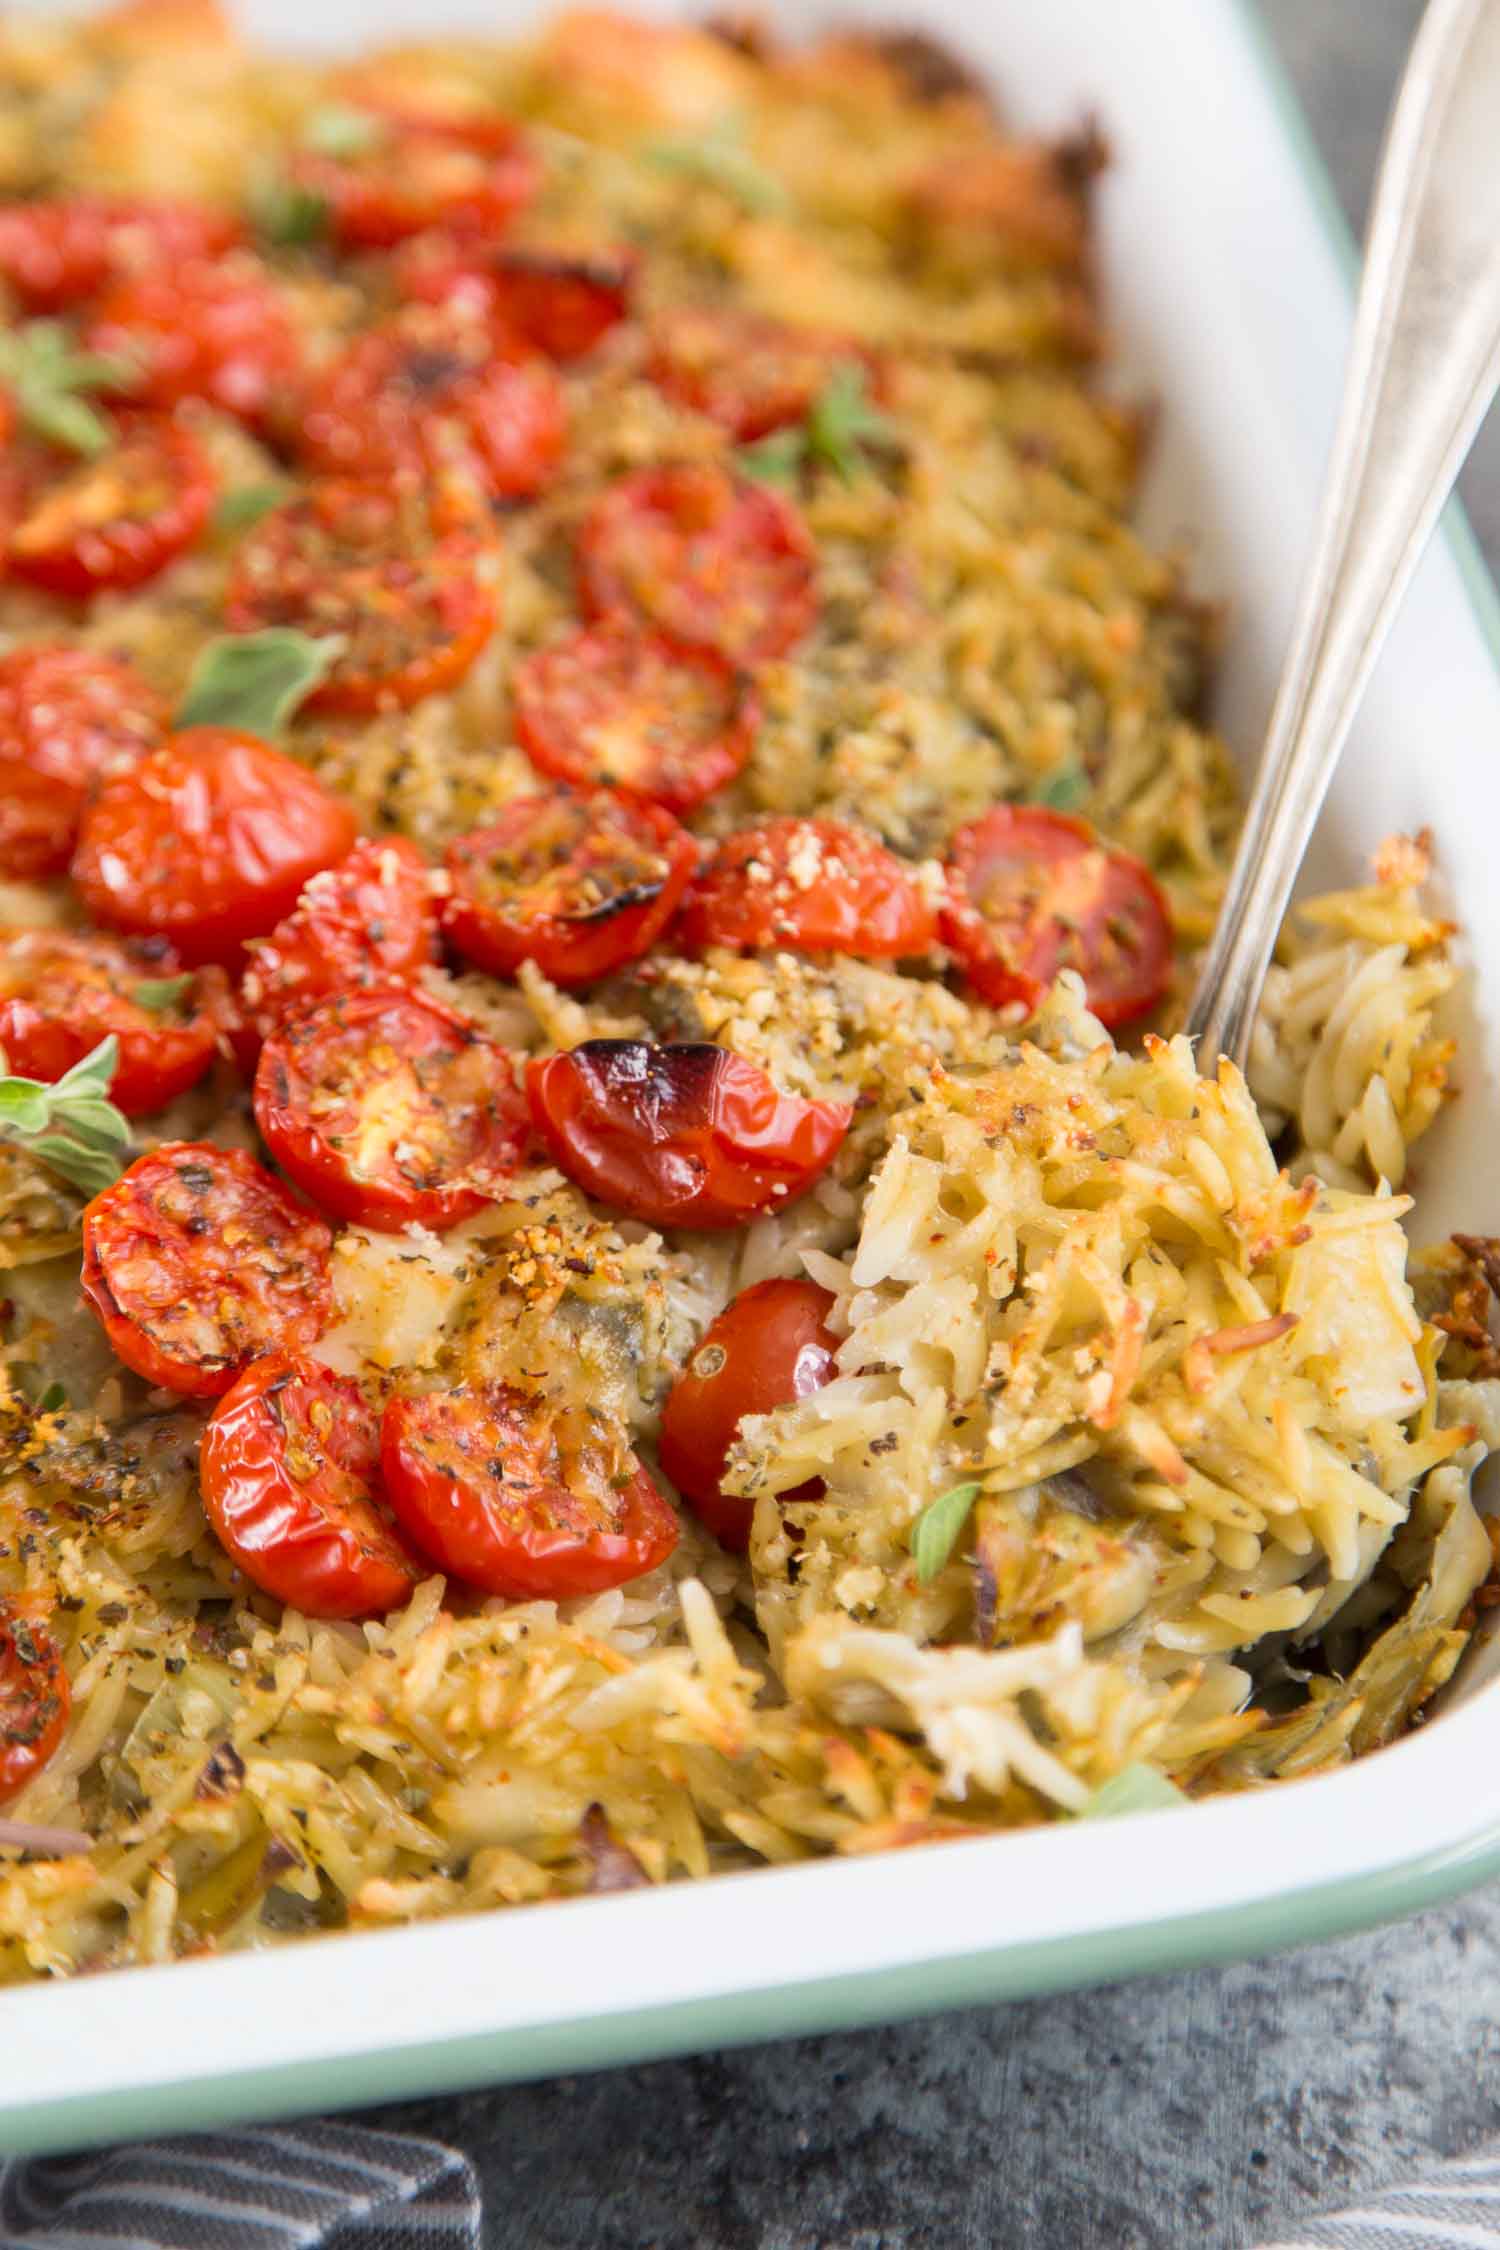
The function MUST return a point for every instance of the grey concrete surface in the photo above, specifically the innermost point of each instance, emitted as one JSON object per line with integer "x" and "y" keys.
{"x": 1192, "y": 2113}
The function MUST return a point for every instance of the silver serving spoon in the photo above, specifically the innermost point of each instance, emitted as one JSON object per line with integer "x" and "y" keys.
{"x": 1424, "y": 366}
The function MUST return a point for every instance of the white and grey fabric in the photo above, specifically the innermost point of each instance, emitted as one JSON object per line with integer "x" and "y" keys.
{"x": 303, "y": 2187}
{"x": 1454, "y": 2207}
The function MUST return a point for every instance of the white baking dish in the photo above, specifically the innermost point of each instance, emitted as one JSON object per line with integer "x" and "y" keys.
{"x": 1229, "y": 296}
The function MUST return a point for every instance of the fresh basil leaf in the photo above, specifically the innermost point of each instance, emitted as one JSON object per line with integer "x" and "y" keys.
{"x": 73, "y": 1126}
{"x": 62, "y": 419}
{"x": 98, "y": 1124}
{"x": 288, "y": 215}
{"x": 90, "y": 1078}
{"x": 237, "y": 510}
{"x": 160, "y": 993}
{"x": 53, "y": 1398}
{"x": 1063, "y": 790}
{"x": 48, "y": 381}
{"x": 719, "y": 159}
{"x": 934, "y": 1535}
{"x": 776, "y": 459}
{"x": 91, "y": 1169}
{"x": 841, "y": 421}
{"x": 338, "y": 130}
{"x": 255, "y": 681}
{"x": 24, "y": 1106}
{"x": 1137, "y": 1788}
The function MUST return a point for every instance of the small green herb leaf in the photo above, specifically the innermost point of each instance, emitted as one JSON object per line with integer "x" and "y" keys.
{"x": 246, "y": 505}
{"x": 73, "y": 1126}
{"x": 1137, "y": 1788}
{"x": 1063, "y": 790}
{"x": 339, "y": 130}
{"x": 776, "y": 459}
{"x": 160, "y": 993}
{"x": 255, "y": 681}
{"x": 53, "y": 1399}
{"x": 934, "y": 1535}
{"x": 288, "y": 215}
{"x": 841, "y": 422}
{"x": 720, "y": 159}
{"x": 49, "y": 382}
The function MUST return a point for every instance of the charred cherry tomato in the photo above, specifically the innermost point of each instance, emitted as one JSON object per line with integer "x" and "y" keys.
{"x": 66, "y": 717}
{"x": 685, "y": 1135}
{"x": 562, "y": 302}
{"x": 509, "y": 1495}
{"x": 290, "y": 1469}
{"x": 112, "y": 523}
{"x": 815, "y": 886}
{"x": 213, "y": 331}
{"x": 615, "y": 708}
{"x": 207, "y": 841}
{"x": 55, "y": 254}
{"x": 372, "y": 920}
{"x": 35, "y": 1697}
{"x": 361, "y": 561}
{"x": 413, "y": 177}
{"x": 772, "y": 1345}
{"x": 1033, "y": 892}
{"x": 578, "y": 884}
{"x": 390, "y": 1109}
{"x": 704, "y": 556}
{"x": 62, "y": 991}
{"x": 749, "y": 374}
{"x": 430, "y": 396}
{"x": 198, "y": 1260}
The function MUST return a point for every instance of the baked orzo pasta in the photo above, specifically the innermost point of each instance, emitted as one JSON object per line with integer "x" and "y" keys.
{"x": 613, "y": 1269}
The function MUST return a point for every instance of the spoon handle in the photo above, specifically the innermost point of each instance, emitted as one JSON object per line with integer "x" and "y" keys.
{"x": 1424, "y": 366}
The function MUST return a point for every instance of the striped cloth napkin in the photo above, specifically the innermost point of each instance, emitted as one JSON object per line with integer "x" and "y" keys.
{"x": 339, "y": 2187}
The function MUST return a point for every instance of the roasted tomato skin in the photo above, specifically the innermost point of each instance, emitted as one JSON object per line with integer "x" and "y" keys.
{"x": 615, "y": 708}
{"x": 682, "y": 1135}
{"x": 289, "y": 1467}
{"x": 62, "y": 991}
{"x": 1032, "y": 891}
{"x": 770, "y": 1346}
{"x": 419, "y": 177}
{"x": 114, "y": 523}
{"x": 811, "y": 886}
{"x": 35, "y": 1697}
{"x": 197, "y": 1261}
{"x": 504, "y": 1496}
{"x": 55, "y": 254}
{"x": 579, "y": 884}
{"x": 704, "y": 556}
{"x": 560, "y": 302}
{"x": 363, "y": 561}
{"x": 202, "y": 330}
{"x": 371, "y": 920}
{"x": 749, "y": 374}
{"x": 428, "y": 397}
{"x": 66, "y": 718}
{"x": 322, "y": 1092}
{"x": 207, "y": 841}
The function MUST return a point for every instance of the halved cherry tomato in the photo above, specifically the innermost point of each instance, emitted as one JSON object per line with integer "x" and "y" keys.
{"x": 411, "y": 178}
{"x": 390, "y": 1109}
{"x": 207, "y": 841}
{"x": 217, "y": 331}
{"x": 562, "y": 301}
{"x": 430, "y": 395}
{"x": 684, "y": 1135}
{"x": 198, "y": 1260}
{"x": 578, "y": 884}
{"x": 814, "y": 886}
{"x": 114, "y": 522}
{"x": 510, "y": 1495}
{"x": 66, "y": 717}
{"x": 362, "y": 561}
{"x": 749, "y": 374}
{"x": 54, "y": 254}
{"x": 706, "y": 557}
{"x": 772, "y": 1345}
{"x": 290, "y": 1470}
{"x": 372, "y": 920}
{"x": 1034, "y": 891}
{"x": 62, "y": 991}
{"x": 616, "y": 708}
{"x": 35, "y": 1697}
